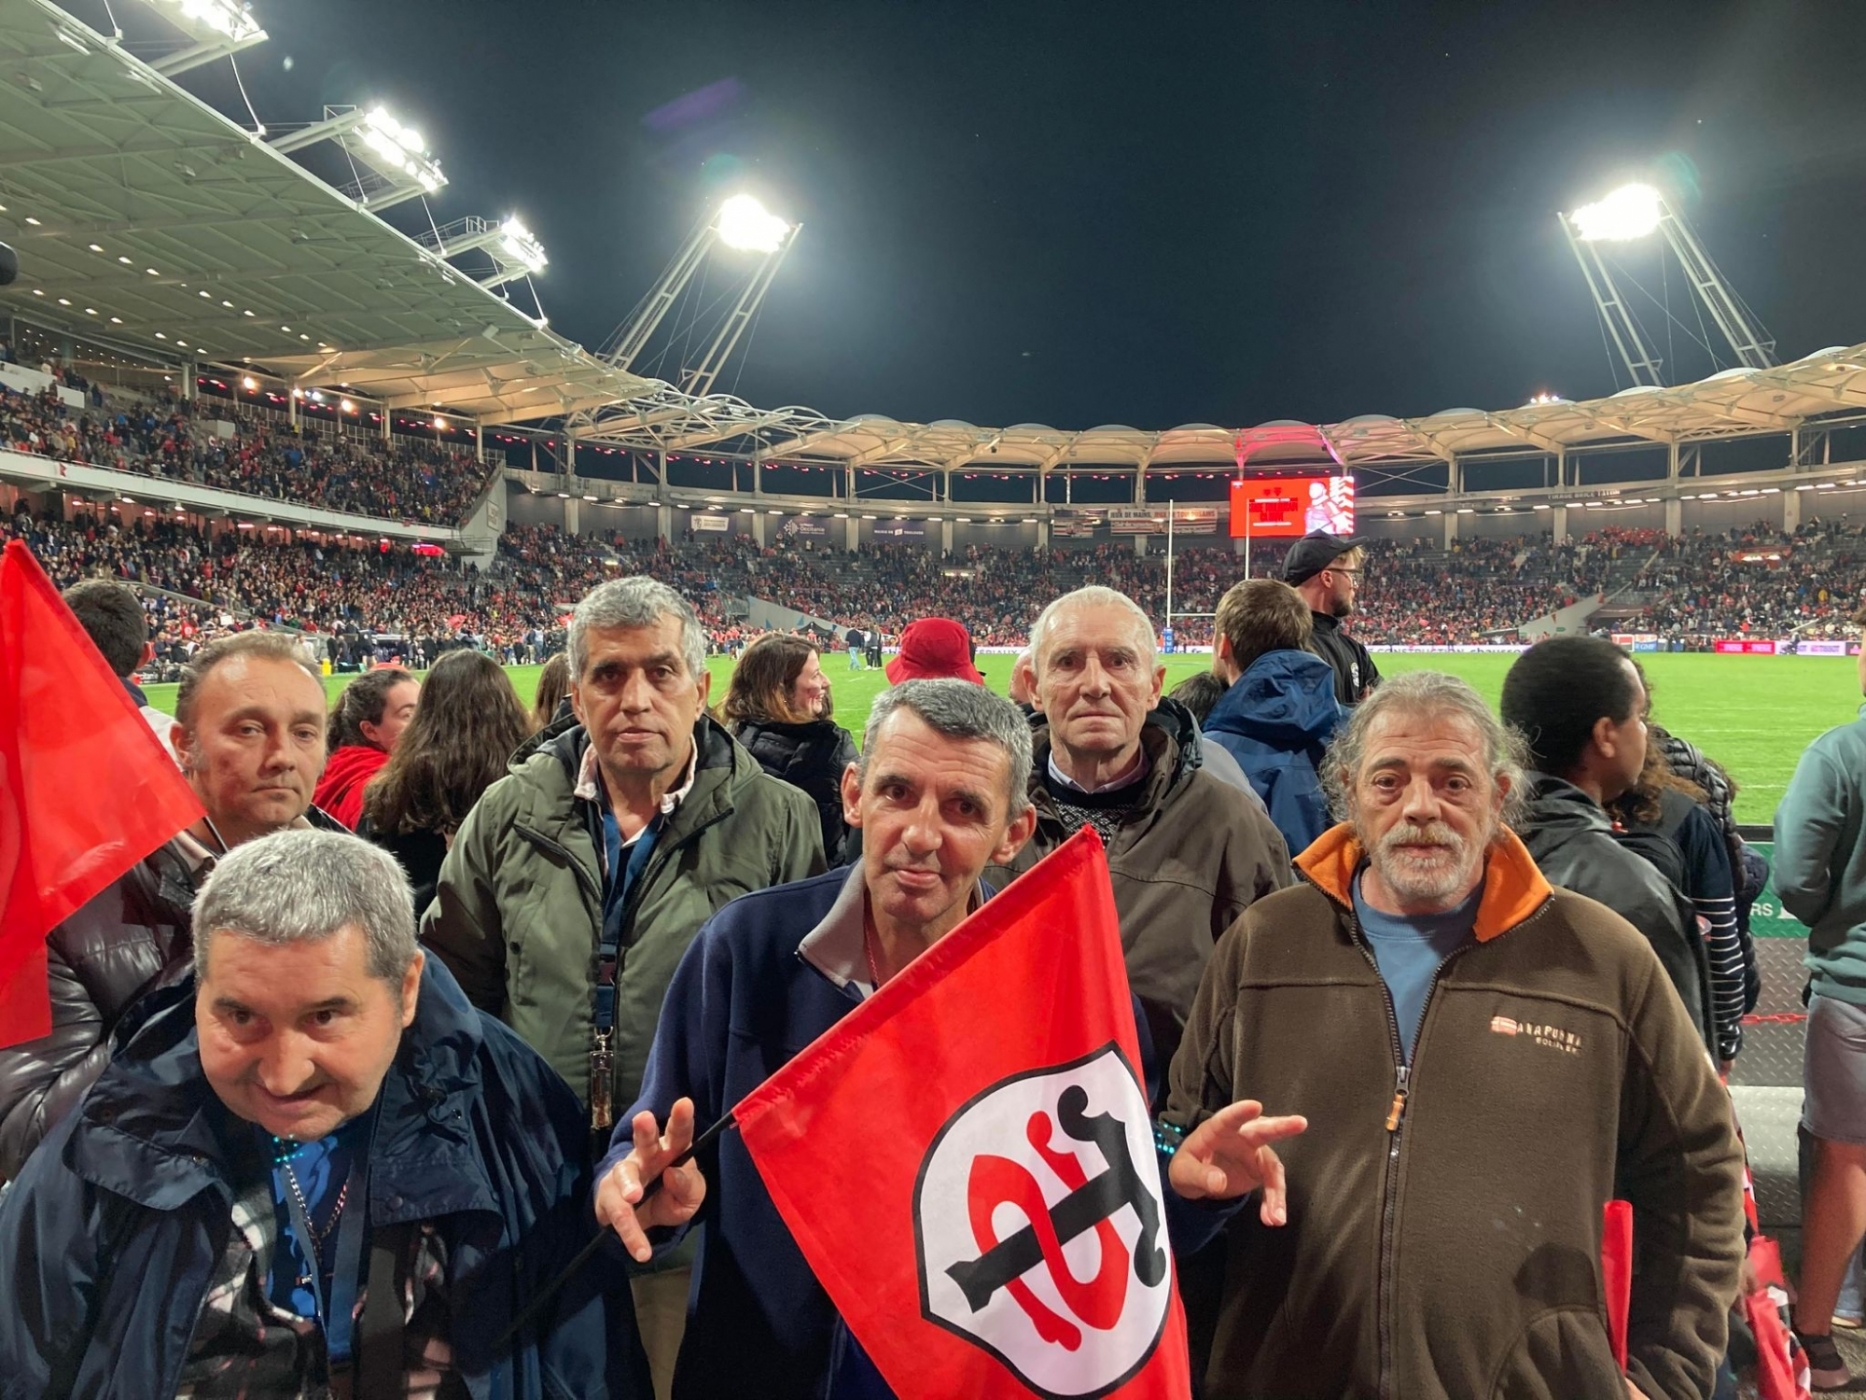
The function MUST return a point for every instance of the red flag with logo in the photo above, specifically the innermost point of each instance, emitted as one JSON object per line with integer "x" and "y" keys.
{"x": 967, "y": 1159}
{"x": 86, "y": 789}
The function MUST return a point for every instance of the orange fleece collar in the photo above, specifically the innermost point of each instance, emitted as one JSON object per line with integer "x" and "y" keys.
{"x": 1514, "y": 887}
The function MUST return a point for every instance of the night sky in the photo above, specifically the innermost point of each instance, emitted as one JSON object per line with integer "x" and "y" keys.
{"x": 1137, "y": 213}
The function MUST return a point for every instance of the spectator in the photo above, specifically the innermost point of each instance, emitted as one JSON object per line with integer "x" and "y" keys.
{"x": 1581, "y": 708}
{"x": 1187, "y": 854}
{"x": 136, "y": 936}
{"x": 366, "y": 723}
{"x": 800, "y": 958}
{"x": 553, "y": 691}
{"x": 1279, "y": 712}
{"x": 110, "y": 613}
{"x": 1431, "y": 1006}
{"x": 1662, "y": 817}
{"x": 933, "y": 647}
{"x": 778, "y": 706}
{"x": 1023, "y": 686}
{"x": 468, "y": 724}
{"x": 625, "y": 833}
{"x": 1327, "y": 571}
{"x": 183, "y": 1257}
{"x": 1199, "y": 692}
{"x": 1820, "y": 872}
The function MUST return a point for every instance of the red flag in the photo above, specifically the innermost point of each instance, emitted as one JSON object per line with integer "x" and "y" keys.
{"x": 967, "y": 1159}
{"x": 1616, "y": 1272}
{"x": 86, "y": 789}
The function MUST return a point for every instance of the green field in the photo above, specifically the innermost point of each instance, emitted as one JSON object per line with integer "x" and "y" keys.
{"x": 1755, "y": 714}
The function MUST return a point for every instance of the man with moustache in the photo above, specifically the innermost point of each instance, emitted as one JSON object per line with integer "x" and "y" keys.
{"x": 1483, "y": 1061}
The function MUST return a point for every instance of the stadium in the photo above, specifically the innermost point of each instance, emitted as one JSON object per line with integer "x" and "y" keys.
{"x": 241, "y": 374}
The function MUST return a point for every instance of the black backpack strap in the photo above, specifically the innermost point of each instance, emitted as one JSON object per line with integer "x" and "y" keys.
{"x": 379, "y": 1350}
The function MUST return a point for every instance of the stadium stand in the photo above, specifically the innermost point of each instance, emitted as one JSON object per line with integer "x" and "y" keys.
{"x": 1693, "y": 589}
{"x": 402, "y": 480}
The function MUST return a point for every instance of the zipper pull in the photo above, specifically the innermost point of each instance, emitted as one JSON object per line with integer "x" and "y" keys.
{"x": 1398, "y": 1111}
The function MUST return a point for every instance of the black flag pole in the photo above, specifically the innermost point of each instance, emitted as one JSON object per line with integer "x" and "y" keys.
{"x": 603, "y": 1232}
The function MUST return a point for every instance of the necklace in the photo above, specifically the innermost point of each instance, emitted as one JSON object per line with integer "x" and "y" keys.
{"x": 868, "y": 950}
{"x": 317, "y": 1236}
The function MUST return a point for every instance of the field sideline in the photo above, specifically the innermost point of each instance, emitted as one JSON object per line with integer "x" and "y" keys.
{"x": 1755, "y": 714}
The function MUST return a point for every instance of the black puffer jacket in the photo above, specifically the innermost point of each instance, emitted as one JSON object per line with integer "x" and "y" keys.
{"x": 809, "y": 756}
{"x": 128, "y": 941}
{"x": 133, "y": 939}
{"x": 1573, "y": 843}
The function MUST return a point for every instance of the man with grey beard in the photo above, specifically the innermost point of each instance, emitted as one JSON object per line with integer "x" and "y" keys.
{"x": 1483, "y": 1061}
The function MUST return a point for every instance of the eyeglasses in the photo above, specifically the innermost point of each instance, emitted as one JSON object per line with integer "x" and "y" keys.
{"x": 1351, "y": 573}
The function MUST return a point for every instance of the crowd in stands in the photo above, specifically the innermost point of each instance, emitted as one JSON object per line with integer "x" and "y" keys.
{"x": 401, "y": 480}
{"x": 1694, "y": 588}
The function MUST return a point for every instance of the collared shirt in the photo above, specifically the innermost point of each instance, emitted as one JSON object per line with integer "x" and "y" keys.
{"x": 838, "y": 946}
{"x": 1060, "y": 779}
{"x": 590, "y": 788}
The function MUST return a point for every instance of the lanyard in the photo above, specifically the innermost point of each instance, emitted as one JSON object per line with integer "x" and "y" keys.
{"x": 338, "y": 1314}
{"x": 622, "y": 877}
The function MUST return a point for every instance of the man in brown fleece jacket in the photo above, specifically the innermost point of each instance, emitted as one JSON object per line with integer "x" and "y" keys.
{"x": 1484, "y": 1062}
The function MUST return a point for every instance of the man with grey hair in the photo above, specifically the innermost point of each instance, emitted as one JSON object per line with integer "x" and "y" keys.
{"x": 325, "y": 1172}
{"x": 1187, "y": 852}
{"x": 249, "y": 734}
{"x": 576, "y": 883}
{"x": 1483, "y": 1061}
{"x": 939, "y": 793}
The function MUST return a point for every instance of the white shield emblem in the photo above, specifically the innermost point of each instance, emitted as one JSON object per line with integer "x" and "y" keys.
{"x": 1039, "y": 1225}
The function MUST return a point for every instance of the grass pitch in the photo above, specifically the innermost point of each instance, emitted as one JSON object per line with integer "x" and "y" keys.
{"x": 1754, "y": 714}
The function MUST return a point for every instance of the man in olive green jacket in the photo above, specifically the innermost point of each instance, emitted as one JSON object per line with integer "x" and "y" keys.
{"x": 578, "y": 880}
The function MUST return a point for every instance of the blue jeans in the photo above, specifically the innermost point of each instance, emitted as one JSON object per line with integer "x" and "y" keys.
{"x": 1851, "y": 1287}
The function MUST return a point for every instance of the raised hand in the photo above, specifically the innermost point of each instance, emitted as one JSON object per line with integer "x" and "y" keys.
{"x": 619, "y": 1202}
{"x": 1229, "y": 1154}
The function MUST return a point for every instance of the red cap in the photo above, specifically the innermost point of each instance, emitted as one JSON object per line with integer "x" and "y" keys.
{"x": 932, "y": 649}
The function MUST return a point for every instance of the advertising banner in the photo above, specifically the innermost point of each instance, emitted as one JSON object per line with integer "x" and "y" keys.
{"x": 1810, "y": 647}
{"x": 1074, "y": 523}
{"x": 900, "y": 529}
{"x": 1137, "y": 520}
{"x": 1744, "y": 646}
{"x": 806, "y": 527}
{"x": 717, "y": 524}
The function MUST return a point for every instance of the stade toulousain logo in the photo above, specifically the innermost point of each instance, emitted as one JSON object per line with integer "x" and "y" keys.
{"x": 1039, "y": 1230}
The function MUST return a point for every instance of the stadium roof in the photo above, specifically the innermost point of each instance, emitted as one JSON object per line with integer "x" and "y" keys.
{"x": 143, "y": 216}
{"x": 1735, "y": 403}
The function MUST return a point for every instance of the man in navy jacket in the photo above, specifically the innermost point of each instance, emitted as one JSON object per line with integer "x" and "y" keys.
{"x": 324, "y": 1165}
{"x": 940, "y": 793}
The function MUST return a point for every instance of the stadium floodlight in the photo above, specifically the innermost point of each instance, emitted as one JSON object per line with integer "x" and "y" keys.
{"x": 1633, "y": 212}
{"x": 395, "y": 152}
{"x": 513, "y": 249}
{"x": 1630, "y": 212}
{"x": 518, "y": 245}
{"x": 745, "y": 224}
{"x": 217, "y": 27}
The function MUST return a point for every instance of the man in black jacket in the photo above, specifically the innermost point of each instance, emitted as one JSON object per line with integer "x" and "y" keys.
{"x": 1327, "y": 571}
{"x": 249, "y": 731}
{"x": 1581, "y": 708}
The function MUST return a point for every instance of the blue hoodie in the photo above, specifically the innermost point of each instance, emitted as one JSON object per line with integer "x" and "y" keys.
{"x": 1275, "y": 720}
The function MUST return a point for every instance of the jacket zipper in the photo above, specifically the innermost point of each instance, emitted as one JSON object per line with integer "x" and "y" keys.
{"x": 1395, "y": 1126}
{"x": 557, "y": 848}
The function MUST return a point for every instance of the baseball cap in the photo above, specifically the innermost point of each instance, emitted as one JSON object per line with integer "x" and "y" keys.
{"x": 934, "y": 648}
{"x": 1314, "y": 552}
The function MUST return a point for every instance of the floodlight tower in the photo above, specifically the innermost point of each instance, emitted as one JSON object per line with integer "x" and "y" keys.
{"x": 395, "y": 152}
{"x": 216, "y": 27}
{"x": 1637, "y": 211}
{"x": 741, "y": 224}
{"x": 510, "y": 246}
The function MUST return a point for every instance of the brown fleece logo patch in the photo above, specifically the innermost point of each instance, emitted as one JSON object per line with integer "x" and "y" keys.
{"x": 1548, "y": 1037}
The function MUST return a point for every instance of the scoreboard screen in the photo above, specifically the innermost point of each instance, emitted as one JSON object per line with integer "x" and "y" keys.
{"x": 1287, "y": 507}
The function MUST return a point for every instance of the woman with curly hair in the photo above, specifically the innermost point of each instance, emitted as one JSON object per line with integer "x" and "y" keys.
{"x": 469, "y": 722}
{"x": 778, "y": 705}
